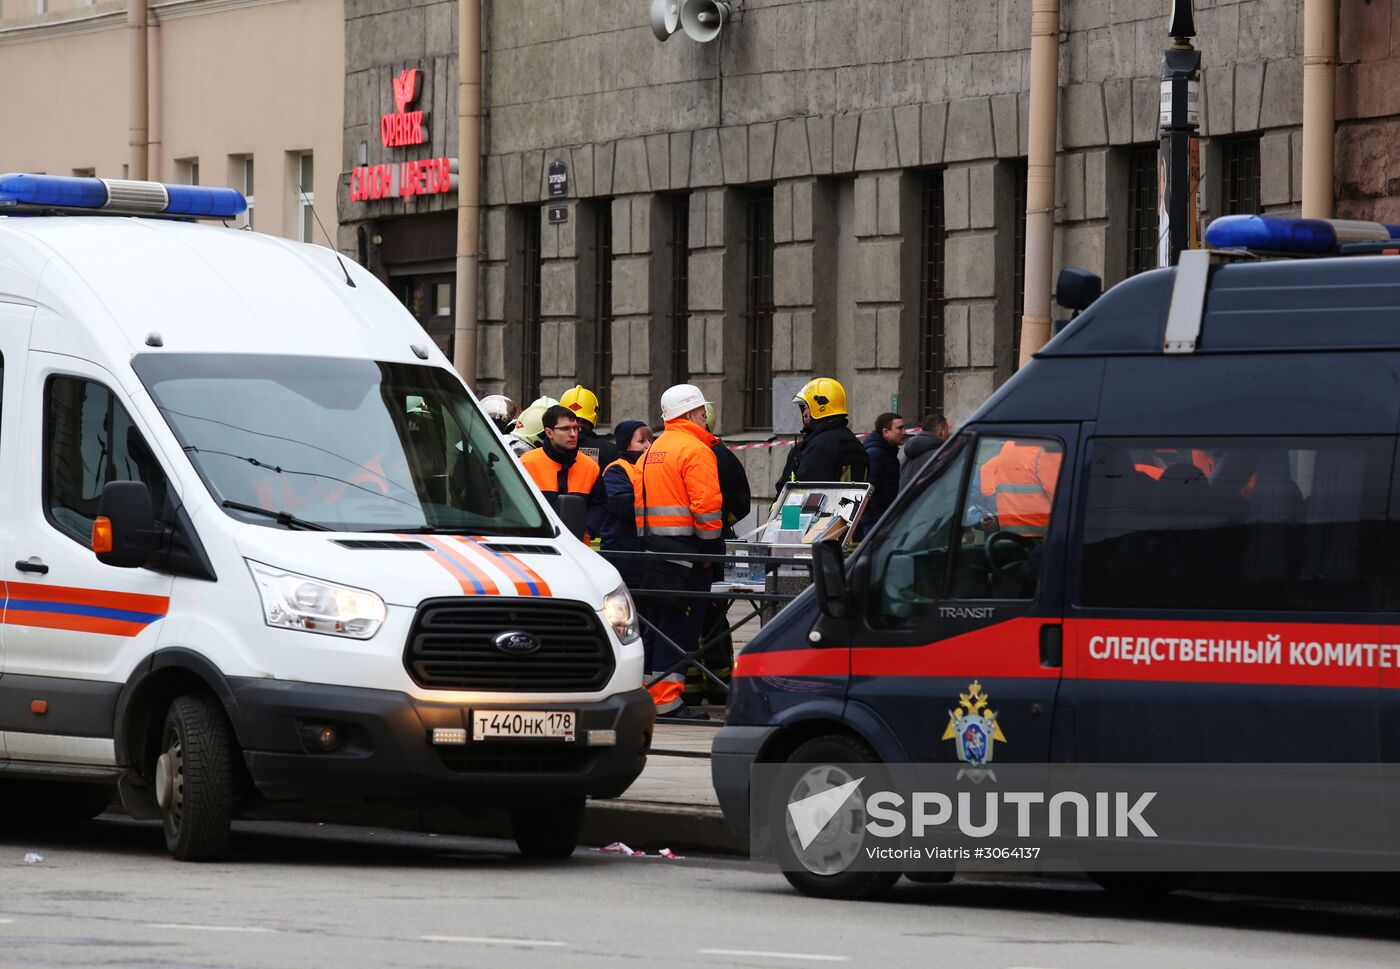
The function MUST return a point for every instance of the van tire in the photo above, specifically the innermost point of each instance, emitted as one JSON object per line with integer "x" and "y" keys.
{"x": 548, "y": 831}
{"x": 829, "y": 749}
{"x": 198, "y": 813}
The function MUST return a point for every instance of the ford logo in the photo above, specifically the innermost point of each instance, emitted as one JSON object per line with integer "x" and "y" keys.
{"x": 516, "y": 643}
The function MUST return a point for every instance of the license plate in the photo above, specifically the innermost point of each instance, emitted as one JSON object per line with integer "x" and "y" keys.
{"x": 524, "y": 724}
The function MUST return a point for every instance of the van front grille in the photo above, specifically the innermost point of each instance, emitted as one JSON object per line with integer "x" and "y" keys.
{"x": 452, "y": 646}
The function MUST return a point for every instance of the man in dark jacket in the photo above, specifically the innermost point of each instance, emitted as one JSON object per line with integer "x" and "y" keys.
{"x": 718, "y": 656}
{"x": 882, "y": 446}
{"x": 829, "y": 450}
{"x": 921, "y": 446}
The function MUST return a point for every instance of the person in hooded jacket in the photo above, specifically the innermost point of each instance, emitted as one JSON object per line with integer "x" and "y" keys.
{"x": 828, "y": 450}
{"x": 631, "y": 438}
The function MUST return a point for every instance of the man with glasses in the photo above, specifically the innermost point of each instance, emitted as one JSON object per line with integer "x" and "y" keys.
{"x": 558, "y": 468}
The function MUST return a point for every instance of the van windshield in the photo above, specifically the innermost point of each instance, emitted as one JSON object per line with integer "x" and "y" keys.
{"x": 343, "y": 444}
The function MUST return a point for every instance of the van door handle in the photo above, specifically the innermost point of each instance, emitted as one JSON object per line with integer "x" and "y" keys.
{"x": 1052, "y": 646}
{"x": 32, "y": 565}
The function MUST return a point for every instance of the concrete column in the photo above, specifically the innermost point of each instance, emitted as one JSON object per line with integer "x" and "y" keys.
{"x": 806, "y": 313}
{"x": 565, "y": 306}
{"x": 979, "y": 279}
{"x": 497, "y": 298}
{"x": 874, "y": 350}
{"x": 717, "y": 267}
{"x": 641, "y": 328}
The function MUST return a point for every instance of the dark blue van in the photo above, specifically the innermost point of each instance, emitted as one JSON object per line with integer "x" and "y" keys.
{"x": 1172, "y": 537}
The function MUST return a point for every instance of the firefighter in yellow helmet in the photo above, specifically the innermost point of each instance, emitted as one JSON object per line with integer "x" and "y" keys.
{"x": 584, "y": 403}
{"x": 829, "y": 449}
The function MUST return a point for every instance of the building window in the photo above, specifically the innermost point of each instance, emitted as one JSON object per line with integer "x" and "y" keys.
{"x": 1020, "y": 174}
{"x": 1241, "y": 183}
{"x": 530, "y": 309}
{"x": 602, "y": 308}
{"x": 758, "y": 312}
{"x": 84, "y": 172}
{"x": 680, "y": 289}
{"x": 306, "y": 174}
{"x": 1143, "y": 221}
{"x": 247, "y": 181}
{"x": 187, "y": 171}
{"x": 932, "y": 236}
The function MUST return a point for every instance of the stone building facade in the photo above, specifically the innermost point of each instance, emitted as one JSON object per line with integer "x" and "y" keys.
{"x": 834, "y": 186}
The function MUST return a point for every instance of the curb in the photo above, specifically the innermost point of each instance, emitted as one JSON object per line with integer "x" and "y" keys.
{"x": 642, "y": 825}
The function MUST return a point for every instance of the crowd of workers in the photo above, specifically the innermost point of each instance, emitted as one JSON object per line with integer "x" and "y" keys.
{"x": 682, "y": 491}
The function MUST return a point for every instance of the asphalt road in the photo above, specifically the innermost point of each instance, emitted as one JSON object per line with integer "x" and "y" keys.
{"x": 302, "y": 896}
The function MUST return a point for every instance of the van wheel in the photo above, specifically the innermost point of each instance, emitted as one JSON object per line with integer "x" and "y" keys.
{"x": 820, "y": 869}
{"x": 548, "y": 830}
{"x": 1140, "y": 884}
{"x": 194, "y": 778}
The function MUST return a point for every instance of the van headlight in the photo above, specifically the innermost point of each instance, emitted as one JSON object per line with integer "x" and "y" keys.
{"x": 622, "y": 614}
{"x": 292, "y": 601}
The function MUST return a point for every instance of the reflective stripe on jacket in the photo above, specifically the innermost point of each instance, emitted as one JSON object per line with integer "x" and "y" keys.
{"x": 551, "y": 476}
{"x": 1022, "y": 480}
{"x": 677, "y": 486}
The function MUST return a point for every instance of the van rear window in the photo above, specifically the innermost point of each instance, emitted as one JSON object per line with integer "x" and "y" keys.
{"x": 1278, "y": 524}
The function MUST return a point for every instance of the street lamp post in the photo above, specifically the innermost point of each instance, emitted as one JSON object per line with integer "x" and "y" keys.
{"x": 1179, "y": 162}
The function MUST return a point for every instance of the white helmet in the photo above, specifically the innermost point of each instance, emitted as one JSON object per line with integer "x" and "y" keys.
{"x": 501, "y": 410}
{"x": 680, "y": 400}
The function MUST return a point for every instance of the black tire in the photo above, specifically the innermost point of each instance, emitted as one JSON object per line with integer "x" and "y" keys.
{"x": 198, "y": 809}
{"x": 548, "y": 830}
{"x": 1140, "y": 884}
{"x": 45, "y": 803}
{"x": 809, "y": 757}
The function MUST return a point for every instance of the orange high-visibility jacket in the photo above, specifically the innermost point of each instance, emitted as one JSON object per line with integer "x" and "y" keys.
{"x": 1022, "y": 479}
{"x": 676, "y": 481}
{"x": 551, "y": 477}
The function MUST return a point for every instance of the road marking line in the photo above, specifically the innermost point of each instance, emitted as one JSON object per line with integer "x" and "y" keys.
{"x": 7, "y": 921}
{"x": 207, "y": 928}
{"x": 489, "y": 940}
{"x": 772, "y": 955}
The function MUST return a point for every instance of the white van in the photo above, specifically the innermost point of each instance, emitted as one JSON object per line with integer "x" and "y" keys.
{"x": 260, "y": 544}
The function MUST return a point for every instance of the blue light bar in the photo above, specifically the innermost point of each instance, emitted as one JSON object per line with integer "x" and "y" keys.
{"x": 58, "y": 190}
{"x": 118, "y": 196}
{"x": 1271, "y": 234}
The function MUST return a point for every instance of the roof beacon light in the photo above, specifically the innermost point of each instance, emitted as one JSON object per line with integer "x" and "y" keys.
{"x": 1309, "y": 236}
{"x": 113, "y": 196}
{"x": 1304, "y": 237}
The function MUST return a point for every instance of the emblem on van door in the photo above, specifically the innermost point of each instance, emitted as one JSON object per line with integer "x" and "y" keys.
{"x": 516, "y": 643}
{"x": 973, "y": 727}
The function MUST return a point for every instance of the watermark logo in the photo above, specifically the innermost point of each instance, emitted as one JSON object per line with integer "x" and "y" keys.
{"x": 813, "y": 813}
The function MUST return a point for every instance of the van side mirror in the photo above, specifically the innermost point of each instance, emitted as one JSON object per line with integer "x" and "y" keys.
{"x": 1076, "y": 289}
{"x": 829, "y": 576}
{"x": 125, "y": 533}
{"x": 573, "y": 512}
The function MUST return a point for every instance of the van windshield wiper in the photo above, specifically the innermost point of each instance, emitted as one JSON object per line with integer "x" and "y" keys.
{"x": 281, "y": 517}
